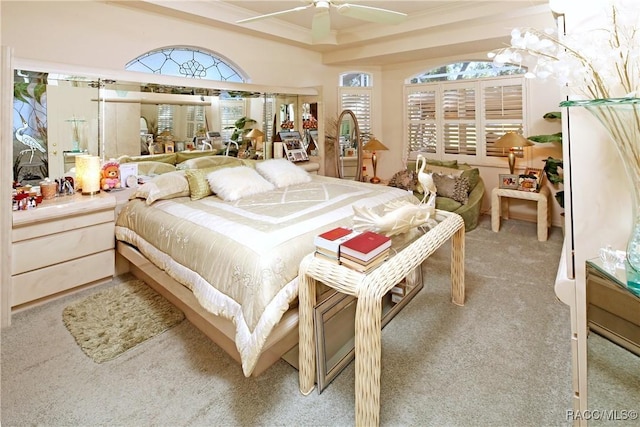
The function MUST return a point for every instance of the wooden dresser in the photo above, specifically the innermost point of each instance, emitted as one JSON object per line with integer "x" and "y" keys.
{"x": 62, "y": 244}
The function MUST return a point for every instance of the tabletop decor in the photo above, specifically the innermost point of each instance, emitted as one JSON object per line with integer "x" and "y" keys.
{"x": 601, "y": 65}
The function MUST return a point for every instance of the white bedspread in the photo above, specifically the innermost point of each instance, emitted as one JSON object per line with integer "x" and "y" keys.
{"x": 241, "y": 258}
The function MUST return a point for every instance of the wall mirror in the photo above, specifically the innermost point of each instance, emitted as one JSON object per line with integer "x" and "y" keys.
{"x": 348, "y": 146}
{"x": 56, "y": 117}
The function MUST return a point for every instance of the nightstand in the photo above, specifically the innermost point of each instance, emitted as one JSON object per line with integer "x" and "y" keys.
{"x": 500, "y": 207}
{"x": 62, "y": 244}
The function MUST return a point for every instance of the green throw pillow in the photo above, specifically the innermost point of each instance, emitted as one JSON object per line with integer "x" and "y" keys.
{"x": 473, "y": 175}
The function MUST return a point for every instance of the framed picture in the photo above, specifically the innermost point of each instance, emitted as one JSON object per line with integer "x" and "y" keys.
{"x": 534, "y": 172}
{"x": 527, "y": 183}
{"x": 508, "y": 181}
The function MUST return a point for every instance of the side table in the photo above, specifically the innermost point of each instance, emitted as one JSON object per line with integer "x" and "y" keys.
{"x": 500, "y": 207}
{"x": 369, "y": 290}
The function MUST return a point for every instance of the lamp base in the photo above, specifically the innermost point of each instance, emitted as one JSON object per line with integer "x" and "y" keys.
{"x": 512, "y": 161}
{"x": 375, "y": 180}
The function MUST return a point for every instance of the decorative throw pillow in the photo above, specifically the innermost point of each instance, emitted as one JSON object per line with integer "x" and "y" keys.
{"x": 453, "y": 187}
{"x": 406, "y": 179}
{"x": 282, "y": 173}
{"x": 165, "y": 186}
{"x": 198, "y": 182}
{"x": 474, "y": 176}
{"x": 231, "y": 184}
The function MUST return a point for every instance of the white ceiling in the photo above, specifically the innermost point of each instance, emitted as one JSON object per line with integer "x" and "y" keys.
{"x": 432, "y": 28}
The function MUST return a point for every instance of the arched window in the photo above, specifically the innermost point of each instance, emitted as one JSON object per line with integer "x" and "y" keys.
{"x": 355, "y": 95}
{"x": 190, "y": 62}
{"x": 466, "y": 70}
{"x": 195, "y": 63}
{"x": 459, "y": 110}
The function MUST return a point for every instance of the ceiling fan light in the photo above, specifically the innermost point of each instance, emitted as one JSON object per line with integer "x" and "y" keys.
{"x": 322, "y": 4}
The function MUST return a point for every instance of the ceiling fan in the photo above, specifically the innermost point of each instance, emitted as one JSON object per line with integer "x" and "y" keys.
{"x": 321, "y": 24}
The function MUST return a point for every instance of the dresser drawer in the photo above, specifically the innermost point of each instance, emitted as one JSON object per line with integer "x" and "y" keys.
{"x": 60, "y": 225}
{"x": 61, "y": 277}
{"x": 44, "y": 251}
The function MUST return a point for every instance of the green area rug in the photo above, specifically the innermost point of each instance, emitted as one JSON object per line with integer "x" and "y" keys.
{"x": 112, "y": 321}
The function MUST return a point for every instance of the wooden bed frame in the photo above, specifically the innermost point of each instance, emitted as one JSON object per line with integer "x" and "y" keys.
{"x": 221, "y": 331}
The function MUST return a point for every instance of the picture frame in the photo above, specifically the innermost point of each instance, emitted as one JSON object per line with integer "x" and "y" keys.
{"x": 528, "y": 183}
{"x": 508, "y": 181}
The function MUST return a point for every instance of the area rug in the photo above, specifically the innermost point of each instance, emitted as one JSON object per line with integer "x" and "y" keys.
{"x": 112, "y": 321}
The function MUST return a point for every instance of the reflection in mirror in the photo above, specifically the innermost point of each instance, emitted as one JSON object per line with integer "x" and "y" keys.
{"x": 348, "y": 146}
{"x": 57, "y": 117}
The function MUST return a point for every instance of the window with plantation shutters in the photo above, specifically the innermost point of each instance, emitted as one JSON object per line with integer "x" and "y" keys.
{"x": 503, "y": 113}
{"x": 421, "y": 111}
{"x": 165, "y": 117}
{"x": 230, "y": 111}
{"x": 459, "y": 135}
{"x": 463, "y": 119}
{"x": 358, "y": 101}
{"x": 195, "y": 120}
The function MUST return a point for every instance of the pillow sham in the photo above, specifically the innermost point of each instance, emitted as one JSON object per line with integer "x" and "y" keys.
{"x": 162, "y": 187}
{"x": 453, "y": 187}
{"x": 231, "y": 184}
{"x": 282, "y": 173}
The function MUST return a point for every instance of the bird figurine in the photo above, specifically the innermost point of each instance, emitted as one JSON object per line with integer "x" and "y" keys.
{"x": 425, "y": 179}
{"x": 32, "y": 143}
{"x": 399, "y": 217}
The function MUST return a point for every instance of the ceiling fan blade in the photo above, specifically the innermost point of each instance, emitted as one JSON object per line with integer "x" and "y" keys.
{"x": 372, "y": 14}
{"x": 320, "y": 26}
{"x": 270, "y": 15}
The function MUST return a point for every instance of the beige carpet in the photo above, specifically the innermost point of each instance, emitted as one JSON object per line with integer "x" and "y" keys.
{"x": 112, "y": 321}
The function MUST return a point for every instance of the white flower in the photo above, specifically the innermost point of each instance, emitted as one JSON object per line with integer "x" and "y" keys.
{"x": 600, "y": 63}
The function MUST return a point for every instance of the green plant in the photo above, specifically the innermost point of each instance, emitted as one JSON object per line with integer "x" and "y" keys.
{"x": 552, "y": 166}
{"x": 239, "y": 128}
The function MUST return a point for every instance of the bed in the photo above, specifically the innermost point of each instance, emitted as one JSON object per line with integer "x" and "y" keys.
{"x": 231, "y": 262}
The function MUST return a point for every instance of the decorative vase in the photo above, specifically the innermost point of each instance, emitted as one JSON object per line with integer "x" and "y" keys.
{"x": 621, "y": 119}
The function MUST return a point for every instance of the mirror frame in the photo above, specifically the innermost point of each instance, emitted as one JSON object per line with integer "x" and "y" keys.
{"x": 338, "y": 150}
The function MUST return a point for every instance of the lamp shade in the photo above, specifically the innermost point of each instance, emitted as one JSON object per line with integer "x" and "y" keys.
{"x": 374, "y": 145}
{"x": 88, "y": 172}
{"x": 255, "y": 133}
{"x": 512, "y": 139}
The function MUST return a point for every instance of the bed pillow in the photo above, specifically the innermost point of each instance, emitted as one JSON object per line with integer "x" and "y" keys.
{"x": 162, "y": 187}
{"x": 453, "y": 187}
{"x": 282, "y": 173}
{"x": 209, "y": 162}
{"x": 154, "y": 168}
{"x": 198, "y": 183}
{"x": 231, "y": 184}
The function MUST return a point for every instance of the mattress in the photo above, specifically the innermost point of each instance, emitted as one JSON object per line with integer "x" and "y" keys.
{"x": 240, "y": 259}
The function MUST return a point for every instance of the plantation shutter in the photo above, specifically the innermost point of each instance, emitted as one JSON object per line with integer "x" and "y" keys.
{"x": 195, "y": 120}
{"x": 230, "y": 111}
{"x": 421, "y": 111}
{"x": 459, "y": 133}
{"x": 503, "y": 110}
{"x": 358, "y": 101}
{"x": 165, "y": 118}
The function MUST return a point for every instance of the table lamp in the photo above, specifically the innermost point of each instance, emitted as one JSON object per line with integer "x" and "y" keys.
{"x": 512, "y": 140}
{"x": 374, "y": 145}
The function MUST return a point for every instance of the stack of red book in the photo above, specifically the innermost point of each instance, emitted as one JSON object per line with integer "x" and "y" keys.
{"x": 365, "y": 251}
{"x": 328, "y": 243}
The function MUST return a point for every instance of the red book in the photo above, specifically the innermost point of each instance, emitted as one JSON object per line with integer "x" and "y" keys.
{"x": 330, "y": 240}
{"x": 366, "y": 245}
